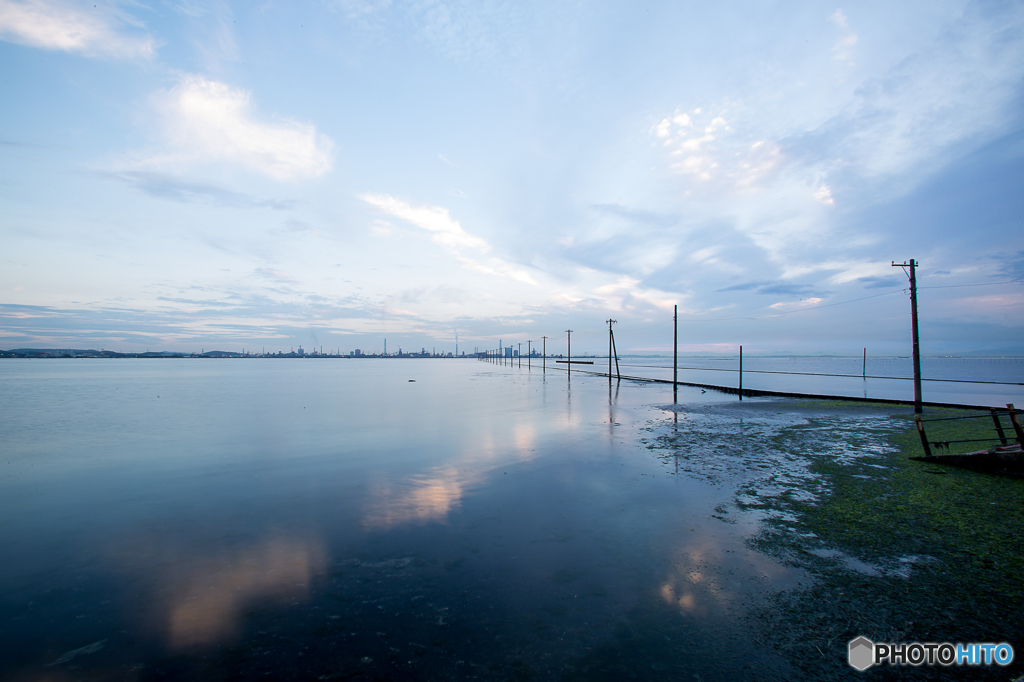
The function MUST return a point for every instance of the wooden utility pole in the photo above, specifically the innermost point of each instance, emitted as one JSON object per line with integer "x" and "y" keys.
{"x": 544, "y": 355}
{"x": 913, "y": 323}
{"x": 615, "y": 350}
{"x": 610, "y": 323}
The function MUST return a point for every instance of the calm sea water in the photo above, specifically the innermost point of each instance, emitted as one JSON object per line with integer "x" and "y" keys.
{"x": 399, "y": 519}
{"x": 989, "y": 382}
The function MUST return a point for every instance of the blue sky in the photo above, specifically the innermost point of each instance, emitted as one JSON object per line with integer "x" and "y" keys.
{"x": 186, "y": 175}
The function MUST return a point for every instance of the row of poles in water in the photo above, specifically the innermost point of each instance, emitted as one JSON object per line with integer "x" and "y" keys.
{"x": 500, "y": 355}
{"x": 503, "y": 354}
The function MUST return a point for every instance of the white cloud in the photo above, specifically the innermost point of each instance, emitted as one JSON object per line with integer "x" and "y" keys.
{"x": 843, "y": 49}
{"x": 706, "y": 255}
{"x": 774, "y": 178}
{"x": 706, "y": 148}
{"x": 845, "y": 270}
{"x": 824, "y": 195}
{"x": 498, "y": 267}
{"x": 274, "y": 275}
{"x": 360, "y": 8}
{"x": 807, "y": 302}
{"x": 72, "y": 27}
{"x": 625, "y": 292}
{"x": 447, "y": 232}
{"x": 208, "y": 121}
{"x": 444, "y": 230}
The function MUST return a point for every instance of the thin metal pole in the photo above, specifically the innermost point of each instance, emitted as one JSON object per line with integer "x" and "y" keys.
{"x": 675, "y": 351}
{"x": 544, "y": 355}
{"x": 529, "y": 356}
{"x": 568, "y": 365}
{"x": 741, "y": 372}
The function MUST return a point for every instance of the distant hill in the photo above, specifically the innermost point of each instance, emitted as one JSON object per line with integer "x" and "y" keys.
{"x": 87, "y": 353}
{"x": 56, "y": 353}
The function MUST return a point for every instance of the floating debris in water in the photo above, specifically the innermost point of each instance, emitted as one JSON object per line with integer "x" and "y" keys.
{"x": 90, "y": 649}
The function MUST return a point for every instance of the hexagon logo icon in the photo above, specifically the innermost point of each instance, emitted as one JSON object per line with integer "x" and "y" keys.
{"x": 861, "y": 653}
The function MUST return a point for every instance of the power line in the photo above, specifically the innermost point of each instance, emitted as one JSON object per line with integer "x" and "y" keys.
{"x": 790, "y": 312}
{"x": 830, "y": 305}
{"x": 817, "y": 307}
{"x": 826, "y": 374}
{"x": 979, "y": 284}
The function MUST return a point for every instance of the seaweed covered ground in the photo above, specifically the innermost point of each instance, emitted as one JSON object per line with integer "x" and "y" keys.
{"x": 900, "y": 550}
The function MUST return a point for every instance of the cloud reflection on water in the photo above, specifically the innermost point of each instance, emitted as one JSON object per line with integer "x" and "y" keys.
{"x": 214, "y": 592}
{"x": 418, "y": 498}
{"x": 431, "y": 496}
{"x": 713, "y": 573}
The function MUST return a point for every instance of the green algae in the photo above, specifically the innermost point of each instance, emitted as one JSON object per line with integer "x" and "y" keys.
{"x": 900, "y": 550}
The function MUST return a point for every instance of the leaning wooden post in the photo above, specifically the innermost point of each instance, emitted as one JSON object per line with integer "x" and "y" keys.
{"x": 924, "y": 438}
{"x": 1016, "y": 423}
{"x": 999, "y": 426}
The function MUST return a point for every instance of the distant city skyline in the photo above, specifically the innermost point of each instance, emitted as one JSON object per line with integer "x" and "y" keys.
{"x": 179, "y": 175}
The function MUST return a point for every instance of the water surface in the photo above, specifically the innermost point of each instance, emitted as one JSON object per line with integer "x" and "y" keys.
{"x": 990, "y": 382}
{"x": 213, "y": 519}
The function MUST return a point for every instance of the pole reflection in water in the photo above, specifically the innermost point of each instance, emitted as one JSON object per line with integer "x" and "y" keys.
{"x": 304, "y": 519}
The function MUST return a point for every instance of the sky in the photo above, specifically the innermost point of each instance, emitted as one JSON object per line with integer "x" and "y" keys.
{"x": 188, "y": 176}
